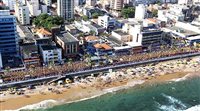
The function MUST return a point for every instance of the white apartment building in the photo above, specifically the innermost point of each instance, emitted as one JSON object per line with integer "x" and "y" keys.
{"x": 33, "y": 6}
{"x": 173, "y": 13}
{"x": 106, "y": 21}
{"x": 11, "y": 3}
{"x": 47, "y": 2}
{"x": 22, "y": 13}
{"x": 91, "y": 2}
{"x": 140, "y": 12}
{"x": 144, "y": 34}
{"x": 65, "y": 9}
{"x": 51, "y": 54}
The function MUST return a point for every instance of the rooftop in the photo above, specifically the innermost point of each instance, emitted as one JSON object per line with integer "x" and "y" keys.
{"x": 120, "y": 32}
{"x": 49, "y": 47}
{"x": 29, "y": 51}
{"x": 102, "y": 46}
{"x": 91, "y": 38}
{"x": 43, "y": 32}
{"x": 70, "y": 26}
{"x": 183, "y": 31}
{"x": 66, "y": 37}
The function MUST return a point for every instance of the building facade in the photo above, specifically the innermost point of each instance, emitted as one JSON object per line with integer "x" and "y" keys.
{"x": 106, "y": 21}
{"x": 30, "y": 55}
{"x": 33, "y": 6}
{"x": 10, "y": 4}
{"x": 8, "y": 34}
{"x": 47, "y": 2}
{"x": 51, "y": 54}
{"x": 22, "y": 13}
{"x": 91, "y": 2}
{"x": 68, "y": 43}
{"x": 65, "y": 9}
{"x": 140, "y": 12}
{"x": 116, "y": 7}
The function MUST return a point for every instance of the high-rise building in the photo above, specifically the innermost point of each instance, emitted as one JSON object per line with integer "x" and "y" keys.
{"x": 117, "y": 5}
{"x": 8, "y": 34}
{"x": 34, "y": 7}
{"x": 22, "y": 13}
{"x": 10, "y": 4}
{"x": 91, "y": 2}
{"x": 78, "y": 2}
{"x": 47, "y": 2}
{"x": 65, "y": 9}
{"x": 140, "y": 12}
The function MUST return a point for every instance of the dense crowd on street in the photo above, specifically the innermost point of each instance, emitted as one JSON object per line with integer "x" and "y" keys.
{"x": 39, "y": 72}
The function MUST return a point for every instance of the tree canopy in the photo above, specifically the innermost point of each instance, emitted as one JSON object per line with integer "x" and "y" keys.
{"x": 155, "y": 13}
{"x": 95, "y": 15}
{"x": 84, "y": 17}
{"x": 128, "y": 12}
{"x": 47, "y": 21}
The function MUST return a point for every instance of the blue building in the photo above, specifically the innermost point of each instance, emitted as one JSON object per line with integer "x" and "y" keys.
{"x": 8, "y": 34}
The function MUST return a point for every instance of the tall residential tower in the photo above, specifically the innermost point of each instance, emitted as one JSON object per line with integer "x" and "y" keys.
{"x": 65, "y": 9}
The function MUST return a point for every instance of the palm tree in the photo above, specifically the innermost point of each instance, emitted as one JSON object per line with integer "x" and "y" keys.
{"x": 70, "y": 61}
{"x": 7, "y": 70}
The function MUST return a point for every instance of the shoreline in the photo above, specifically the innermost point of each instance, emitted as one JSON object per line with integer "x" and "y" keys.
{"x": 84, "y": 91}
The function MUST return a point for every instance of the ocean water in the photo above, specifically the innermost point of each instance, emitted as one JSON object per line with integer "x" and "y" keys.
{"x": 172, "y": 96}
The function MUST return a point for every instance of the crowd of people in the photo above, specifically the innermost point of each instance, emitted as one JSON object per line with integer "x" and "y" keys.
{"x": 39, "y": 72}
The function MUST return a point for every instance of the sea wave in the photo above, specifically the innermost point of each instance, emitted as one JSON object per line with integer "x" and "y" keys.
{"x": 194, "y": 108}
{"x": 41, "y": 105}
{"x": 180, "y": 79}
{"x": 173, "y": 105}
{"x": 175, "y": 101}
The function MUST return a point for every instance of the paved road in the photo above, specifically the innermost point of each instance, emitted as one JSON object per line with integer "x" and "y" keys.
{"x": 88, "y": 72}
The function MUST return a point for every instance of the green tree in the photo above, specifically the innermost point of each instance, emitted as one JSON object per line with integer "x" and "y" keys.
{"x": 84, "y": 17}
{"x": 95, "y": 15}
{"x": 155, "y": 13}
{"x": 128, "y": 12}
{"x": 47, "y": 21}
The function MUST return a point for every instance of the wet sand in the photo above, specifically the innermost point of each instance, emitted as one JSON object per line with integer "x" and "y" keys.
{"x": 79, "y": 91}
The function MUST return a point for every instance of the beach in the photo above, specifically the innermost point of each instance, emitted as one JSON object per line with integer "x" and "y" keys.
{"x": 91, "y": 86}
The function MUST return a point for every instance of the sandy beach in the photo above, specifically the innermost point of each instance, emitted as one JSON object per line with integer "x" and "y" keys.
{"x": 106, "y": 82}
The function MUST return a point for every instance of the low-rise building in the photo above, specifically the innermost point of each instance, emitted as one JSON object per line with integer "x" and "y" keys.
{"x": 30, "y": 55}
{"x": 122, "y": 36}
{"x": 102, "y": 49}
{"x": 89, "y": 27}
{"x": 68, "y": 43}
{"x": 71, "y": 28}
{"x": 51, "y": 54}
{"x": 91, "y": 39}
{"x": 42, "y": 33}
{"x": 106, "y": 21}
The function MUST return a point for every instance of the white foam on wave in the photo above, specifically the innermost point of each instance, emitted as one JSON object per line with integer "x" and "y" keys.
{"x": 172, "y": 108}
{"x": 174, "y": 100}
{"x": 110, "y": 90}
{"x": 194, "y": 108}
{"x": 174, "y": 104}
{"x": 43, "y": 104}
{"x": 180, "y": 79}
